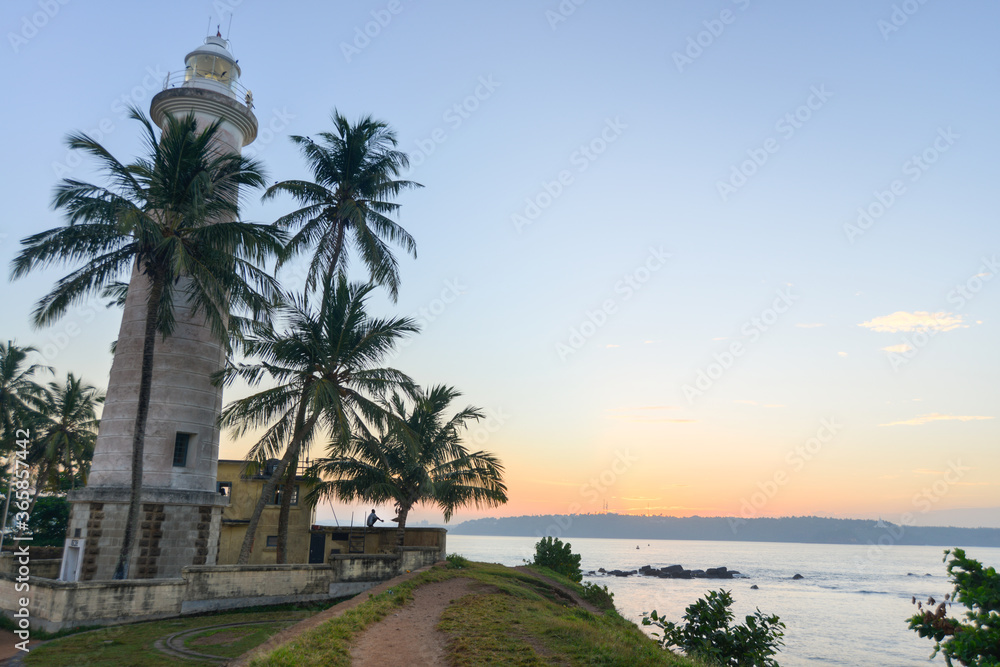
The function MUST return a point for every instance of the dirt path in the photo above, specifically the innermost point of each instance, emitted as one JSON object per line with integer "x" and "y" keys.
{"x": 313, "y": 621}
{"x": 7, "y": 645}
{"x": 410, "y": 636}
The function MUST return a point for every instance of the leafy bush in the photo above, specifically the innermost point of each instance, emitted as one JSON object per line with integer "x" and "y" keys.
{"x": 708, "y": 635}
{"x": 976, "y": 642}
{"x": 550, "y": 552}
{"x": 48, "y": 521}
{"x": 456, "y": 562}
{"x": 599, "y": 596}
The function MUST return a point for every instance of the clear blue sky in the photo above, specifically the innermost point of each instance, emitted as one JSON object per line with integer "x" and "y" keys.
{"x": 739, "y": 138}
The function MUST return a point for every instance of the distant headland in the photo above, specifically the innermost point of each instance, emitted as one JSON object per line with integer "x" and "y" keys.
{"x": 809, "y": 529}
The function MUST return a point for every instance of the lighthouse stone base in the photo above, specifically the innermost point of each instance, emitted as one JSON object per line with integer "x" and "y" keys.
{"x": 176, "y": 529}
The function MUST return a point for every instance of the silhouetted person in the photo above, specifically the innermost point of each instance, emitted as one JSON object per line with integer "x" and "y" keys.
{"x": 372, "y": 518}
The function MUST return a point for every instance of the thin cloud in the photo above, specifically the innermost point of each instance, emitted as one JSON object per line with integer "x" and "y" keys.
{"x": 919, "y": 320}
{"x": 842, "y": 354}
{"x": 901, "y": 348}
{"x": 936, "y": 417}
{"x": 815, "y": 325}
{"x": 646, "y": 407}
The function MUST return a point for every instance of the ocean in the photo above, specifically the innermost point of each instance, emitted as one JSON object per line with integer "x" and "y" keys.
{"x": 850, "y": 607}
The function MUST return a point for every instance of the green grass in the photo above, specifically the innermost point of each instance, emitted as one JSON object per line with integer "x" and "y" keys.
{"x": 248, "y": 637}
{"x": 515, "y": 618}
{"x": 128, "y": 645}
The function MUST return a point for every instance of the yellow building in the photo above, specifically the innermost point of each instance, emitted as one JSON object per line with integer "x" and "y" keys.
{"x": 243, "y": 491}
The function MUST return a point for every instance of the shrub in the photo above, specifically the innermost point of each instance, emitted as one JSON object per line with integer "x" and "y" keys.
{"x": 599, "y": 596}
{"x": 550, "y": 552}
{"x": 48, "y": 521}
{"x": 977, "y": 641}
{"x": 456, "y": 562}
{"x": 708, "y": 635}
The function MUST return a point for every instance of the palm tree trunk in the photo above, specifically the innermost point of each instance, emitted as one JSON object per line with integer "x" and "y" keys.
{"x": 291, "y": 452}
{"x": 139, "y": 429}
{"x": 69, "y": 467}
{"x": 43, "y": 479}
{"x": 287, "y": 489}
{"x": 401, "y": 529}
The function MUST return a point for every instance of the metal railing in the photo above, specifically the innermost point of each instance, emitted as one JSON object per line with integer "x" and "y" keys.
{"x": 231, "y": 88}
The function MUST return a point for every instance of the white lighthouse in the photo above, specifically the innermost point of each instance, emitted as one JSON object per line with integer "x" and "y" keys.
{"x": 181, "y": 507}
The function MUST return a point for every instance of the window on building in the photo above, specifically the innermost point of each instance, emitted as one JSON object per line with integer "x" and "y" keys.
{"x": 276, "y": 500}
{"x": 181, "y": 443}
{"x": 272, "y": 541}
{"x": 225, "y": 488}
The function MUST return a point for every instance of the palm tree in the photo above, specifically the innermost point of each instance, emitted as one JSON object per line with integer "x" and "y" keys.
{"x": 355, "y": 170}
{"x": 67, "y": 430}
{"x": 170, "y": 217}
{"x": 325, "y": 366}
{"x": 417, "y": 457}
{"x": 19, "y": 393}
{"x": 19, "y": 402}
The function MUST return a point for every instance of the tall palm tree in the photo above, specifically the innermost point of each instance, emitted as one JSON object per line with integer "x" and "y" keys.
{"x": 415, "y": 458}
{"x": 171, "y": 217}
{"x": 67, "y": 430}
{"x": 325, "y": 365}
{"x": 355, "y": 170}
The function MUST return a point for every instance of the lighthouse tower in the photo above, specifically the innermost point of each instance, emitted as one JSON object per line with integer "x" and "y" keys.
{"x": 181, "y": 507}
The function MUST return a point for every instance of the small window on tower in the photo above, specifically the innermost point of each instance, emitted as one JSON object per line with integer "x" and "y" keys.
{"x": 181, "y": 443}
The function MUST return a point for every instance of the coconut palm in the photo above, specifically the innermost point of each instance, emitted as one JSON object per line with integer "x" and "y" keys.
{"x": 19, "y": 403}
{"x": 19, "y": 392}
{"x": 169, "y": 217}
{"x": 67, "y": 431}
{"x": 355, "y": 169}
{"x": 415, "y": 458}
{"x": 325, "y": 366}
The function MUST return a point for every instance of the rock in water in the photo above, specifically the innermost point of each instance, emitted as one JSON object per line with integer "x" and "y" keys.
{"x": 798, "y": 576}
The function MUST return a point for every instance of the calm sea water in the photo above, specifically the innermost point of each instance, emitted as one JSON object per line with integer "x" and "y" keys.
{"x": 850, "y": 609}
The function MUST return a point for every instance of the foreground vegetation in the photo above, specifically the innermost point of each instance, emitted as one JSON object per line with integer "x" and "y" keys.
{"x": 126, "y": 645}
{"x": 976, "y": 641}
{"x": 515, "y": 617}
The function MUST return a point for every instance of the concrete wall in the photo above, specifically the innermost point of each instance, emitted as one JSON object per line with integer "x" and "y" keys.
{"x": 47, "y": 568}
{"x": 382, "y": 540}
{"x": 55, "y": 605}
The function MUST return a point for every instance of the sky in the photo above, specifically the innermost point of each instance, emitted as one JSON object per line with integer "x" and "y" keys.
{"x": 725, "y": 258}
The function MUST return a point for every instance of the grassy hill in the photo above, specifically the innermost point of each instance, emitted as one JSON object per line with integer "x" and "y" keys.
{"x": 513, "y": 616}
